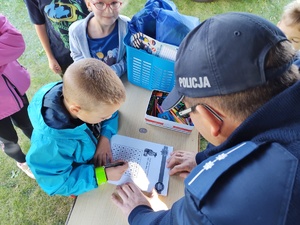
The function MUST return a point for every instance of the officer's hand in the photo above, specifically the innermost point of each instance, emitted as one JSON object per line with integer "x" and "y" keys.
{"x": 128, "y": 196}
{"x": 181, "y": 162}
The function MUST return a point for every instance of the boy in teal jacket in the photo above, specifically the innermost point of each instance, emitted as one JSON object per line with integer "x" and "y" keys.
{"x": 73, "y": 121}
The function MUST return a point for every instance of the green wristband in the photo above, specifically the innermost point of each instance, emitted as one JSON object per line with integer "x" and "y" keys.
{"x": 100, "y": 175}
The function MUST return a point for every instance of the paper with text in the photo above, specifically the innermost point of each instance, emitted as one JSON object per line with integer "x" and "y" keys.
{"x": 146, "y": 160}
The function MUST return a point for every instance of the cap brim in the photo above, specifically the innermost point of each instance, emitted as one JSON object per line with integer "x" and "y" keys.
{"x": 171, "y": 100}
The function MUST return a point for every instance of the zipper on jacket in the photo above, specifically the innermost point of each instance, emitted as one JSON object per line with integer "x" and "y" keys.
{"x": 10, "y": 85}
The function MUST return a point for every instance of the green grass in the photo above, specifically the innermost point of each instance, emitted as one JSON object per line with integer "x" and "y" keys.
{"x": 21, "y": 199}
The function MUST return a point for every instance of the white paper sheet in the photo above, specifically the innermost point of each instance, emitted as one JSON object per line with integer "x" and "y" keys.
{"x": 147, "y": 163}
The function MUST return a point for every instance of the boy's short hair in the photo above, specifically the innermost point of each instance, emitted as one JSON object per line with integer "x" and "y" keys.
{"x": 89, "y": 82}
{"x": 291, "y": 13}
{"x": 252, "y": 53}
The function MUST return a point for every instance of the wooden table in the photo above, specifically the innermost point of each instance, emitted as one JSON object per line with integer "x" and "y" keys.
{"x": 96, "y": 207}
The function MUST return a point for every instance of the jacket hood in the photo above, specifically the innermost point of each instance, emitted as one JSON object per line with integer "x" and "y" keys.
{"x": 38, "y": 121}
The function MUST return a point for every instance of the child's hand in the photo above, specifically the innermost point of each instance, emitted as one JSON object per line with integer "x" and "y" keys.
{"x": 115, "y": 173}
{"x": 54, "y": 66}
{"x": 103, "y": 153}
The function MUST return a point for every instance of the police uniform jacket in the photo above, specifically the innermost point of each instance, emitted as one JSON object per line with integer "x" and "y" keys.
{"x": 250, "y": 179}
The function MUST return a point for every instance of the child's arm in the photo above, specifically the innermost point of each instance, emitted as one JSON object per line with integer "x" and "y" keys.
{"x": 111, "y": 172}
{"x": 12, "y": 44}
{"x": 115, "y": 173}
{"x": 108, "y": 129}
{"x": 75, "y": 50}
{"x": 103, "y": 152}
{"x": 37, "y": 17}
{"x": 61, "y": 167}
{"x": 120, "y": 68}
{"x": 44, "y": 39}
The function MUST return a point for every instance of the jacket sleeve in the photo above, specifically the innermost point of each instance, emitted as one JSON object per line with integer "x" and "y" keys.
{"x": 121, "y": 67}
{"x": 110, "y": 127}
{"x": 59, "y": 166}
{"x": 12, "y": 44}
{"x": 74, "y": 42}
{"x": 182, "y": 210}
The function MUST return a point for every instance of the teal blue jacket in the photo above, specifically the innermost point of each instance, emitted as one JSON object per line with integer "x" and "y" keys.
{"x": 59, "y": 158}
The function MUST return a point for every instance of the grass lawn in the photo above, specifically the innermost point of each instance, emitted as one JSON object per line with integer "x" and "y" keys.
{"x": 21, "y": 199}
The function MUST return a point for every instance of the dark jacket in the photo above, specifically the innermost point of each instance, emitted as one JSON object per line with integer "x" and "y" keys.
{"x": 252, "y": 178}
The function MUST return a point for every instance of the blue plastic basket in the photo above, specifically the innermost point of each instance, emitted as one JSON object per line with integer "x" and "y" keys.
{"x": 148, "y": 71}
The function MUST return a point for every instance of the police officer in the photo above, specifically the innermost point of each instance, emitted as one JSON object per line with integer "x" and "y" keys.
{"x": 249, "y": 112}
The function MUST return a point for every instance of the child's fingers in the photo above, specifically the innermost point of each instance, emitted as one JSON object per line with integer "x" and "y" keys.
{"x": 109, "y": 157}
